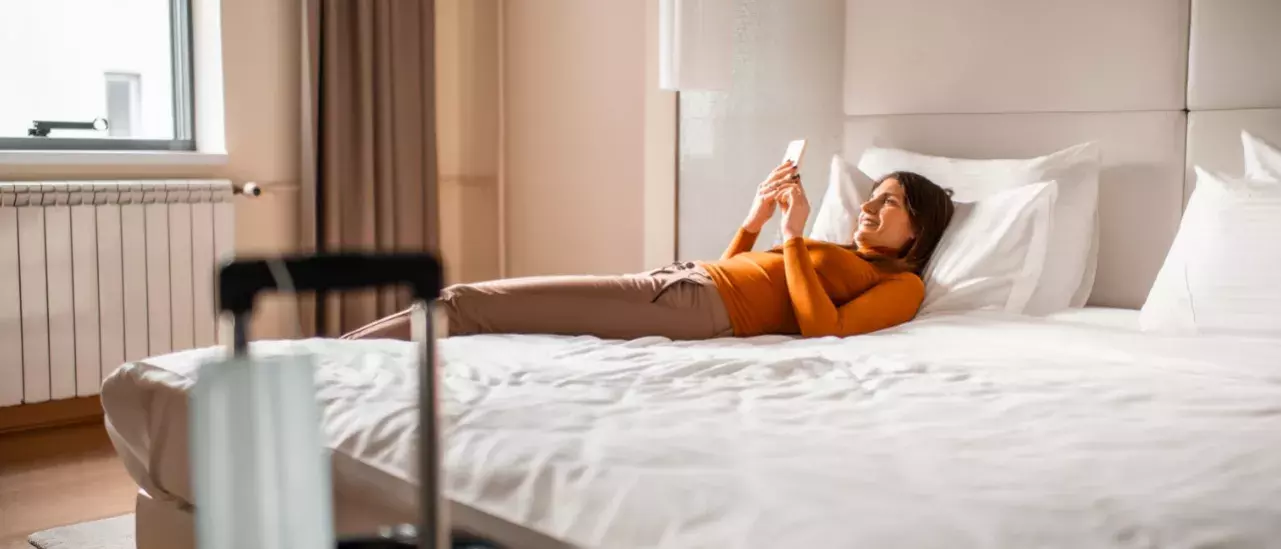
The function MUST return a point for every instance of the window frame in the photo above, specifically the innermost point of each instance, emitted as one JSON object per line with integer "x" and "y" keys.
{"x": 184, "y": 127}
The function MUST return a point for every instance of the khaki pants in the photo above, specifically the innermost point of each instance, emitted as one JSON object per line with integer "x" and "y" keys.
{"x": 678, "y": 301}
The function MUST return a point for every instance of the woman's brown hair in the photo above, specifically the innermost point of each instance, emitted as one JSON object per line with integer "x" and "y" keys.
{"x": 930, "y": 207}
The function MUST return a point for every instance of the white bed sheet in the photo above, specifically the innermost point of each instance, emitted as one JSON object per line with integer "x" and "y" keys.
{"x": 976, "y": 430}
{"x": 1103, "y": 317}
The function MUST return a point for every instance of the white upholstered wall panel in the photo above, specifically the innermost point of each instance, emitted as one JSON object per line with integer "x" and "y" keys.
{"x": 1004, "y": 56}
{"x": 786, "y": 85}
{"x": 1214, "y": 139}
{"x": 1235, "y": 54}
{"x": 994, "y": 78}
{"x": 1141, "y": 191}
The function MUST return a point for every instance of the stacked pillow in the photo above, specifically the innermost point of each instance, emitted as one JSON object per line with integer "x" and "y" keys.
{"x": 1222, "y": 271}
{"x": 1262, "y": 161}
{"x": 837, "y": 215}
{"x": 1024, "y": 238}
{"x": 993, "y": 253}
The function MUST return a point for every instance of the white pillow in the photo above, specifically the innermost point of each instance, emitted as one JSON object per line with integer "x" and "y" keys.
{"x": 1220, "y": 275}
{"x": 838, "y": 213}
{"x": 1068, "y": 276}
{"x": 1262, "y": 161}
{"x": 993, "y": 252}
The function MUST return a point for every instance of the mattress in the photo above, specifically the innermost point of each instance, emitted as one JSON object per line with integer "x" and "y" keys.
{"x": 975, "y": 430}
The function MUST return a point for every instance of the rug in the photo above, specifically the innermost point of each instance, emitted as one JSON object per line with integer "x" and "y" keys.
{"x": 108, "y": 533}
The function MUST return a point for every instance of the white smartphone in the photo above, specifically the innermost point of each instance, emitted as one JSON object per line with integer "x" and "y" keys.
{"x": 795, "y": 152}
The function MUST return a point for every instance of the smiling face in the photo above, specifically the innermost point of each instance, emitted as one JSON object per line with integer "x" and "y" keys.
{"x": 884, "y": 222}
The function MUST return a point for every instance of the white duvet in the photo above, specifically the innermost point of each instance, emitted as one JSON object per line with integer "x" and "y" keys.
{"x": 981, "y": 430}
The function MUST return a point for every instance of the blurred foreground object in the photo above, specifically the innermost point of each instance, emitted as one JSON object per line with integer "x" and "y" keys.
{"x": 260, "y": 467}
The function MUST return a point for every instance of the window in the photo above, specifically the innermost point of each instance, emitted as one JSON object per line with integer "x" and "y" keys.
{"x": 95, "y": 75}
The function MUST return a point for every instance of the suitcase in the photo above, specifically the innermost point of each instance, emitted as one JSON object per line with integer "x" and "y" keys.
{"x": 239, "y": 283}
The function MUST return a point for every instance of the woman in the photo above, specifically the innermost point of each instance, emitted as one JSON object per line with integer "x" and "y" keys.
{"x": 803, "y": 287}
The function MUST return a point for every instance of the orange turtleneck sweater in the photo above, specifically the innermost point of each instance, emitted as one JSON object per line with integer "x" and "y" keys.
{"x": 810, "y": 288}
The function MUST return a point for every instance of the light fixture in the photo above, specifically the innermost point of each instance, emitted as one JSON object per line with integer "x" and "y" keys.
{"x": 696, "y": 44}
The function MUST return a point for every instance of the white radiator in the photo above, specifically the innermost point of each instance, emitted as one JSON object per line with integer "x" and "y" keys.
{"x": 97, "y": 273}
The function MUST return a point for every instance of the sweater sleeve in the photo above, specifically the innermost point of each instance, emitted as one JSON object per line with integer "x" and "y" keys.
{"x": 743, "y": 242}
{"x": 890, "y": 302}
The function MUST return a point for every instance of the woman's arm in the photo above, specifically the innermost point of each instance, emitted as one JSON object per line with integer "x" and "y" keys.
{"x": 890, "y": 302}
{"x": 743, "y": 241}
{"x": 763, "y": 205}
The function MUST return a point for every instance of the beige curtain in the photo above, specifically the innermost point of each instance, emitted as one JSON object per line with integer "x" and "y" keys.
{"x": 369, "y": 141}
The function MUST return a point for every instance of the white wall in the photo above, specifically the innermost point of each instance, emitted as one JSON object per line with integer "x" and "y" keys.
{"x": 56, "y": 71}
{"x": 787, "y": 81}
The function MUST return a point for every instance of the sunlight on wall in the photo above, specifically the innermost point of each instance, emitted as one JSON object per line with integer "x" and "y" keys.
{"x": 787, "y": 76}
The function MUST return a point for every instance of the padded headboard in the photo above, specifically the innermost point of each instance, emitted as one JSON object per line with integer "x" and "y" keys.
{"x": 1234, "y": 81}
{"x": 1022, "y": 78}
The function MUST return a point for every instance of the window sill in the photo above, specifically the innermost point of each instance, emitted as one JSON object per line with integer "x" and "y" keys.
{"x": 111, "y": 158}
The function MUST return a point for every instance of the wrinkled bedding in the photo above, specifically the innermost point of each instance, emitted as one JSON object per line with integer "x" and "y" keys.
{"x": 975, "y": 430}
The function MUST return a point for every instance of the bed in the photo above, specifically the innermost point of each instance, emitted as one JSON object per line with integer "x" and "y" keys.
{"x": 966, "y": 429}
{"x": 953, "y": 431}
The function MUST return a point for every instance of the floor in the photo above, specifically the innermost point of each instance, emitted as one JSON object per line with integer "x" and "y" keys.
{"x": 59, "y": 476}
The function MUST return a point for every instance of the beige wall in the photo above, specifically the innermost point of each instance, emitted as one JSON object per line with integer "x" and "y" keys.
{"x": 261, "y": 52}
{"x": 557, "y": 149}
{"x": 661, "y": 141}
{"x": 575, "y": 95}
{"x": 262, "y": 55}
{"x": 468, "y": 130}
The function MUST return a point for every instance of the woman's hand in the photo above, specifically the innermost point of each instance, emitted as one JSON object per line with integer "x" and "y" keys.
{"x": 765, "y": 201}
{"x": 796, "y": 209}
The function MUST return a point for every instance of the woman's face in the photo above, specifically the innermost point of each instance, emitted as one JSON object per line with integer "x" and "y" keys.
{"x": 884, "y": 221}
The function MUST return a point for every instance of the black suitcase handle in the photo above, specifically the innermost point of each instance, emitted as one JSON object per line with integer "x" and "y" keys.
{"x": 240, "y": 281}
